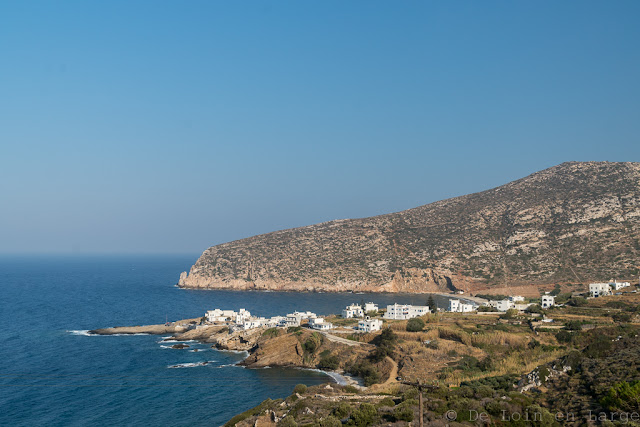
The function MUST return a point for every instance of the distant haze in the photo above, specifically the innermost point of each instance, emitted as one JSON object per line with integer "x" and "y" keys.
{"x": 166, "y": 127}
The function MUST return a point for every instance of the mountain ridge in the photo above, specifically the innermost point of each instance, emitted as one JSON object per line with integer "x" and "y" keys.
{"x": 573, "y": 222}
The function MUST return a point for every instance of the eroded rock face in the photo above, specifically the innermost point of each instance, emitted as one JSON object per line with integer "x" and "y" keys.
{"x": 571, "y": 223}
{"x": 284, "y": 350}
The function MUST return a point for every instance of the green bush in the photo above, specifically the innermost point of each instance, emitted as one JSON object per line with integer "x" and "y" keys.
{"x": 342, "y": 410}
{"x": 300, "y": 389}
{"x": 287, "y": 422}
{"x": 510, "y": 314}
{"x": 330, "y": 362}
{"x": 621, "y": 317}
{"x": 623, "y": 396}
{"x": 577, "y": 301}
{"x": 329, "y": 421}
{"x": 403, "y": 412}
{"x": 415, "y": 325}
{"x": 573, "y": 325}
{"x": 411, "y": 393}
{"x": 564, "y": 336}
{"x": 313, "y": 342}
{"x": 271, "y": 333}
{"x": 366, "y": 371}
{"x": 365, "y": 415}
{"x": 351, "y": 389}
{"x": 387, "y": 401}
{"x": 534, "y": 308}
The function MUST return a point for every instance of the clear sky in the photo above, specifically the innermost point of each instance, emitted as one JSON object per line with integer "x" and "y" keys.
{"x": 167, "y": 127}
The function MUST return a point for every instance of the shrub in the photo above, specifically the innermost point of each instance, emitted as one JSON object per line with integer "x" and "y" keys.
{"x": 621, "y": 317}
{"x": 403, "y": 412}
{"x": 573, "y": 325}
{"x": 534, "y": 308}
{"x": 271, "y": 333}
{"x": 351, "y": 389}
{"x": 300, "y": 389}
{"x": 577, "y": 301}
{"x": 387, "y": 401}
{"x": 623, "y": 396}
{"x": 293, "y": 329}
{"x": 366, "y": 371}
{"x": 510, "y": 314}
{"x": 487, "y": 309}
{"x": 312, "y": 343}
{"x": 564, "y": 336}
{"x": 330, "y": 362}
{"x": 415, "y": 325}
{"x": 342, "y": 410}
{"x": 287, "y": 422}
{"x": 411, "y": 393}
{"x": 365, "y": 415}
{"x": 329, "y": 421}
{"x": 385, "y": 345}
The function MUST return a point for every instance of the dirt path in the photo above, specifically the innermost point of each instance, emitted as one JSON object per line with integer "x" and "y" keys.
{"x": 392, "y": 376}
{"x": 341, "y": 340}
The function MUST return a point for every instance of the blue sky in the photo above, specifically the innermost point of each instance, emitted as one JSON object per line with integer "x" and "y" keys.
{"x": 167, "y": 127}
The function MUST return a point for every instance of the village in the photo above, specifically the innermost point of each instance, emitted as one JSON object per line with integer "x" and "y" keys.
{"x": 372, "y": 318}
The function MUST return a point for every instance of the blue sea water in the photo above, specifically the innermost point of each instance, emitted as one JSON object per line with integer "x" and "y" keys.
{"x": 53, "y": 374}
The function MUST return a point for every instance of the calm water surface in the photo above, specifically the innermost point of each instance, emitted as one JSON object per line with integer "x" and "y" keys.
{"x": 52, "y": 374}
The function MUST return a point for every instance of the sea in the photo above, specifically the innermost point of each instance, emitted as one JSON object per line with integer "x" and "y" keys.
{"x": 53, "y": 373}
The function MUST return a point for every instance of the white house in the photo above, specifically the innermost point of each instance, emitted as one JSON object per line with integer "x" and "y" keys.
{"x": 292, "y": 319}
{"x": 369, "y": 306}
{"x": 456, "y": 306}
{"x": 320, "y": 324}
{"x": 242, "y": 316}
{"x": 618, "y": 285}
{"x": 353, "y": 310}
{"x": 255, "y": 322}
{"x": 516, "y": 299}
{"x": 547, "y": 301}
{"x": 505, "y": 305}
{"x": 218, "y": 315}
{"x": 369, "y": 325}
{"x": 402, "y": 312}
{"x": 599, "y": 289}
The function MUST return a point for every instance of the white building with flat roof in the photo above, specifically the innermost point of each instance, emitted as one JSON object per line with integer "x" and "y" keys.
{"x": 405, "y": 311}
{"x": 369, "y": 325}
{"x": 369, "y": 306}
{"x": 319, "y": 324}
{"x": 616, "y": 286}
{"x": 516, "y": 299}
{"x": 457, "y": 306}
{"x": 218, "y": 315}
{"x": 241, "y": 316}
{"x": 255, "y": 322}
{"x": 547, "y": 301}
{"x": 505, "y": 305}
{"x": 599, "y": 289}
{"x": 353, "y": 310}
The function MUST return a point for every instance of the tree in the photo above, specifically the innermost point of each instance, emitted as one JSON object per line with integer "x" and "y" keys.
{"x": 415, "y": 325}
{"x": 431, "y": 303}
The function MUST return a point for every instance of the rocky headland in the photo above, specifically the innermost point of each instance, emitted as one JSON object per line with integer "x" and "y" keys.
{"x": 572, "y": 223}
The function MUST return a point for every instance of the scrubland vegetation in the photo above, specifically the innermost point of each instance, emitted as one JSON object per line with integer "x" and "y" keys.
{"x": 513, "y": 369}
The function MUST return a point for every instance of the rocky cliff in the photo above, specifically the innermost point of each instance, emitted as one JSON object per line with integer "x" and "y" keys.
{"x": 574, "y": 222}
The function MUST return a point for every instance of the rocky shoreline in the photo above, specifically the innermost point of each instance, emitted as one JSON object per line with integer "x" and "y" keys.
{"x": 263, "y": 350}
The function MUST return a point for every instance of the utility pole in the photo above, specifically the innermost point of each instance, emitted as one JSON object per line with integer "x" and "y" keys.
{"x": 420, "y": 388}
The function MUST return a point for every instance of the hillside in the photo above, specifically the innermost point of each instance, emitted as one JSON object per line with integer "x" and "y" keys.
{"x": 572, "y": 223}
